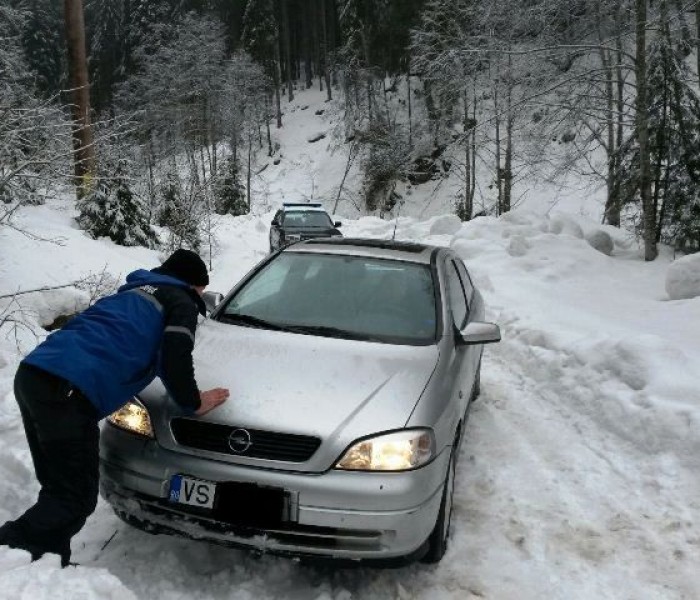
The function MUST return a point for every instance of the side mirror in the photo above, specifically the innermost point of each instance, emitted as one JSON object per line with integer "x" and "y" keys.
{"x": 212, "y": 300}
{"x": 480, "y": 333}
{"x": 338, "y": 224}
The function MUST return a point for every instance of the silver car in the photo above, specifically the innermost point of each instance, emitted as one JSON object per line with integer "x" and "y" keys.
{"x": 351, "y": 365}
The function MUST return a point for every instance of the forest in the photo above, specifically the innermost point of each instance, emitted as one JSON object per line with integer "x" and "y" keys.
{"x": 158, "y": 112}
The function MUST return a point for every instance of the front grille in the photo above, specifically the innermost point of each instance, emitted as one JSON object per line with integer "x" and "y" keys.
{"x": 269, "y": 445}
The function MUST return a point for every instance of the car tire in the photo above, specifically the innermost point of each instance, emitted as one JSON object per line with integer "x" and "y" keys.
{"x": 437, "y": 542}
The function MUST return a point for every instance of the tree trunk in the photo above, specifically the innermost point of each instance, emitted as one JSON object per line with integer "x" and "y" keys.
{"x": 472, "y": 190}
{"x": 250, "y": 144}
{"x": 496, "y": 109}
{"x": 324, "y": 50}
{"x": 287, "y": 48}
{"x": 307, "y": 33}
{"x": 612, "y": 205}
{"x": 410, "y": 111}
{"x": 697, "y": 39}
{"x": 620, "y": 103}
{"x": 467, "y": 160}
{"x": 270, "y": 152}
{"x": 642, "y": 127}
{"x": 83, "y": 146}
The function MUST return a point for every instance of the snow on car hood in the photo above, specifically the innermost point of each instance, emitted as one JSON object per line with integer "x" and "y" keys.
{"x": 331, "y": 388}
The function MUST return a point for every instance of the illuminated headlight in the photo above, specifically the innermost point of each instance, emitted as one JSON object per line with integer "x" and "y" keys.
{"x": 398, "y": 451}
{"x": 132, "y": 417}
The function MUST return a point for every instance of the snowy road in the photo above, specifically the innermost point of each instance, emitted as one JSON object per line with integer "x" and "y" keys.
{"x": 579, "y": 475}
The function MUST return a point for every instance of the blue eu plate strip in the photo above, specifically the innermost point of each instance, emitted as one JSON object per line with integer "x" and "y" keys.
{"x": 175, "y": 485}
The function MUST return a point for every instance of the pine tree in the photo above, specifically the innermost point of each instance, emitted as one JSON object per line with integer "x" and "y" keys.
{"x": 261, "y": 40}
{"x": 229, "y": 192}
{"x": 113, "y": 210}
{"x": 44, "y": 46}
{"x": 673, "y": 112}
{"x": 178, "y": 212}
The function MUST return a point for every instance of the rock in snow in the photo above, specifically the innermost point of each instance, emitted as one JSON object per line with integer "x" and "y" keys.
{"x": 683, "y": 278}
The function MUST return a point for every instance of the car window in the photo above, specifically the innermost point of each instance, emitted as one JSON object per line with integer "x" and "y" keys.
{"x": 458, "y": 303}
{"x": 341, "y": 296}
{"x": 261, "y": 288}
{"x": 301, "y": 218}
{"x": 466, "y": 281}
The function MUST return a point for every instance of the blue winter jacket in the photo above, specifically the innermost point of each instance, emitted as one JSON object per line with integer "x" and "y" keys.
{"x": 115, "y": 348}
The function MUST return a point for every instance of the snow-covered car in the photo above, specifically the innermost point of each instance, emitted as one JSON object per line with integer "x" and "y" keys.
{"x": 351, "y": 365}
{"x": 301, "y": 221}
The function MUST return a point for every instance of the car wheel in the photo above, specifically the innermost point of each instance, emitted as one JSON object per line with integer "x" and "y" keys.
{"x": 437, "y": 542}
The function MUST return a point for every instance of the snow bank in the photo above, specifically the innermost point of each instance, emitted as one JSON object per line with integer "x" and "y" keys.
{"x": 683, "y": 278}
{"x": 46, "y": 580}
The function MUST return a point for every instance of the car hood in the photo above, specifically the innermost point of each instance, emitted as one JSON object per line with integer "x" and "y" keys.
{"x": 334, "y": 389}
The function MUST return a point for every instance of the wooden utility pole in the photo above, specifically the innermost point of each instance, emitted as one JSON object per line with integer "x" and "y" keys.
{"x": 83, "y": 146}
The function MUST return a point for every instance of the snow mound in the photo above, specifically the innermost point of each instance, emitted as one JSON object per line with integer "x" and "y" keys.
{"x": 518, "y": 246}
{"x": 565, "y": 224}
{"x": 445, "y": 225}
{"x": 46, "y": 580}
{"x": 601, "y": 241}
{"x": 683, "y": 278}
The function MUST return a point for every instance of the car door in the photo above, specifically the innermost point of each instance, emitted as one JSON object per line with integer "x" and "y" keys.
{"x": 461, "y": 367}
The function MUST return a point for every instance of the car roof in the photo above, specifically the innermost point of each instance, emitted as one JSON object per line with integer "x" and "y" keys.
{"x": 291, "y": 207}
{"x": 376, "y": 248}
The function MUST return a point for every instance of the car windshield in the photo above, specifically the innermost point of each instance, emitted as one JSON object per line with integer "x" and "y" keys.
{"x": 307, "y": 218}
{"x": 335, "y": 295}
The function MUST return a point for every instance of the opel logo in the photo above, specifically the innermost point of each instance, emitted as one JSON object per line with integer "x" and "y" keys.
{"x": 239, "y": 441}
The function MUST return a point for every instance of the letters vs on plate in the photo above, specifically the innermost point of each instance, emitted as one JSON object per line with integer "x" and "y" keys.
{"x": 195, "y": 492}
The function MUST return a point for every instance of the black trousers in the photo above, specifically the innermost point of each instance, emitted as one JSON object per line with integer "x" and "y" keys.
{"x": 63, "y": 435}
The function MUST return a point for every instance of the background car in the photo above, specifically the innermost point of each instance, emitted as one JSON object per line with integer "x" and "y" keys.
{"x": 352, "y": 365}
{"x": 302, "y": 221}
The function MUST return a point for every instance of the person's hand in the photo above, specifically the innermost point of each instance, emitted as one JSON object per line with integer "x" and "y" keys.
{"x": 211, "y": 399}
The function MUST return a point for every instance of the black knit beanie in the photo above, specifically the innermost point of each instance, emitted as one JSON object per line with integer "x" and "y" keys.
{"x": 186, "y": 266}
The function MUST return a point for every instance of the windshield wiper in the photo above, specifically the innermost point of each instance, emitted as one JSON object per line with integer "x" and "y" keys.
{"x": 333, "y": 332}
{"x": 251, "y": 321}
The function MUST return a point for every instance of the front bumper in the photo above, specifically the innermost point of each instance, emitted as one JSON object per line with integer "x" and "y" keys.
{"x": 337, "y": 514}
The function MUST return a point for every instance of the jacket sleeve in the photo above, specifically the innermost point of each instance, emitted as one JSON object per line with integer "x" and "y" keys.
{"x": 176, "y": 366}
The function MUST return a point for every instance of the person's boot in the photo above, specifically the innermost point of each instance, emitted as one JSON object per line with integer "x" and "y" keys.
{"x": 16, "y": 536}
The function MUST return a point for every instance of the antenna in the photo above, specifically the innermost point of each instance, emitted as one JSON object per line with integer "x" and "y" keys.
{"x": 396, "y": 222}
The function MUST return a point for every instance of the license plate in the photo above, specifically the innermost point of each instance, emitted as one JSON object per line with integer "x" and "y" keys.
{"x": 194, "y": 492}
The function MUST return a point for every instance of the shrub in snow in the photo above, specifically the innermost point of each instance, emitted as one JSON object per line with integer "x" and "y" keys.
{"x": 683, "y": 278}
{"x": 601, "y": 241}
{"x": 229, "y": 193}
{"x": 446, "y": 225}
{"x": 113, "y": 210}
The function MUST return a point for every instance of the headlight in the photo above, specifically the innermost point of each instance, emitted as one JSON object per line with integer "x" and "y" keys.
{"x": 132, "y": 417}
{"x": 397, "y": 451}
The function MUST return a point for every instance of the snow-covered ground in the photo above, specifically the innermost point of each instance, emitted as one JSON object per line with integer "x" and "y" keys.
{"x": 580, "y": 472}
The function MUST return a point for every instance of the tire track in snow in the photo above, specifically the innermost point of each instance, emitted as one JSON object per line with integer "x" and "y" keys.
{"x": 554, "y": 505}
